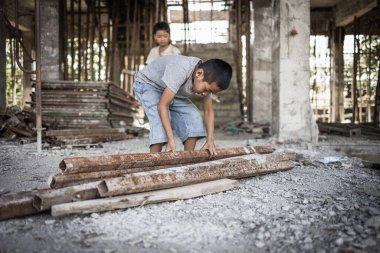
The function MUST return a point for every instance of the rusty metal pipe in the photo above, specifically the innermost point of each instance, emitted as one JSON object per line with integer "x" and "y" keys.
{"x": 117, "y": 162}
{"x": 65, "y": 180}
{"x": 236, "y": 167}
{"x": 18, "y": 204}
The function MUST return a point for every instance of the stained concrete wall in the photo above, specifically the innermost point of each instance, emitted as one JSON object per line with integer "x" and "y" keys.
{"x": 50, "y": 40}
{"x": 262, "y": 62}
{"x": 228, "y": 109}
{"x": 292, "y": 115}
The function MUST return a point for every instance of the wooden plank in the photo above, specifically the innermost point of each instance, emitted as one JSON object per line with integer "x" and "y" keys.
{"x": 235, "y": 167}
{"x": 74, "y": 165}
{"x": 76, "y": 115}
{"x": 139, "y": 199}
{"x": 83, "y": 131}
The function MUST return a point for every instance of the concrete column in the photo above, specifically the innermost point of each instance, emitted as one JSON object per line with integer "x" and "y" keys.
{"x": 3, "y": 61}
{"x": 50, "y": 40}
{"x": 28, "y": 41}
{"x": 337, "y": 82}
{"x": 262, "y": 62}
{"x": 292, "y": 115}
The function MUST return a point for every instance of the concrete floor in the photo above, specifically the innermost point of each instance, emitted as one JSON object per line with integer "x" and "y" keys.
{"x": 329, "y": 202}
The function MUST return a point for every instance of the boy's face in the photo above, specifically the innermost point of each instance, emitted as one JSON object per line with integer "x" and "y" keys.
{"x": 162, "y": 38}
{"x": 201, "y": 87}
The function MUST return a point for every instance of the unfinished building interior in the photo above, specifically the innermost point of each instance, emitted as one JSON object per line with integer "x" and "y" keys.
{"x": 294, "y": 63}
{"x": 305, "y": 72}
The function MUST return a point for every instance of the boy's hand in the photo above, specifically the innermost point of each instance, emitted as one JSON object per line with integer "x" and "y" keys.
{"x": 170, "y": 146}
{"x": 210, "y": 146}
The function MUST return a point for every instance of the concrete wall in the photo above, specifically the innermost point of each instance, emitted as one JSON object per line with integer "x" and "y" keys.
{"x": 228, "y": 109}
{"x": 292, "y": 116}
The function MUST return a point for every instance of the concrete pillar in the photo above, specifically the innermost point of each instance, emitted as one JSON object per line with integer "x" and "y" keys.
{"x": 262, "y": 62}
{"x": 28, "y": 41}
{"x": 3, "y": 60}
{"x": 292, "y": 115}
{"x": 337, "y": 82}
{"x": 50, "y": 40}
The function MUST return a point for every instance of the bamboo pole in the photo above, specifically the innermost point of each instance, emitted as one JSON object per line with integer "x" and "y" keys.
{"x": 236, "y": 167}
{"x": 79, "y": 41}
{"x": 72, "y": 49}
{"x": 92, "y": 40}
{"x": 85, "y": 61}
{"x": 139, "y": 199}
{"x": 101, "y": 163}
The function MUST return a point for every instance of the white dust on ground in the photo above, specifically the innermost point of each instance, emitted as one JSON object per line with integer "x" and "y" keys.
{"x": 315, "y": 207}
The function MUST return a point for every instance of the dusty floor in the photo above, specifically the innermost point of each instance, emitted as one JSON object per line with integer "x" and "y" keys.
{"x": 329, "y": 202}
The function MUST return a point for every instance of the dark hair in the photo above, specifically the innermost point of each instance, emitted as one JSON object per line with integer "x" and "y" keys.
{"x": 161, "y": 26}
{"x": 217, "y": 70}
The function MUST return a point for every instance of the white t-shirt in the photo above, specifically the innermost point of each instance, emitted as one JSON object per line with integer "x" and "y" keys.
{"x": 155, "y": 53}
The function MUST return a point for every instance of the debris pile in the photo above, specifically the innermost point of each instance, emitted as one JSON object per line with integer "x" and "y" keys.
{"x": 255, "y": 130}
{"x": 94, "y": 184}
{"x": 18, "y": 123}
{"x": 76, "y": 114}
{"x": 369, "y": 130}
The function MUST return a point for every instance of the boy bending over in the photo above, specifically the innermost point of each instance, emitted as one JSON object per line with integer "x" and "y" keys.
{"x": 163, "y": 88}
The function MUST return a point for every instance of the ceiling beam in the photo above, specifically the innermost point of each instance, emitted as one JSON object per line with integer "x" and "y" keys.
{"x": 346, "y": 11}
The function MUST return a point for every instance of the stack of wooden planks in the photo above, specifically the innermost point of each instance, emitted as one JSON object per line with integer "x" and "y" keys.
{"x": 87, "y": 111}
{"x": 70, "y": 104}
{"x": 103, "y": 183}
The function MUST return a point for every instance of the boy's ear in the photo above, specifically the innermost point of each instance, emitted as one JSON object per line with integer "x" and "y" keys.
{"x": 199, "y": 73}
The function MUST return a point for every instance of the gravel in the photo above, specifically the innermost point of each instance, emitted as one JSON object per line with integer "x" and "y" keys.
{"x": 328, "y": 202}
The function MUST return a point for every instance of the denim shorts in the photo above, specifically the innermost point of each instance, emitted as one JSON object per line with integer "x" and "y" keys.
{"x": 185, "y": 118}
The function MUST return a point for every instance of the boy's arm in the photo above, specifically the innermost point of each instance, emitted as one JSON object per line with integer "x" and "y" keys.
{"x": 209, "y": 120}
{"x": 163, "y": 110}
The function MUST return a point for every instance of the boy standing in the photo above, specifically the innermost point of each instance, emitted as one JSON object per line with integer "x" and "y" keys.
{"x": 161, "y": 31}
{"x": 164, "y": 87}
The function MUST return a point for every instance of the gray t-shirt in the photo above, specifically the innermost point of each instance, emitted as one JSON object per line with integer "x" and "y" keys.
{"x": 172, "y": 71}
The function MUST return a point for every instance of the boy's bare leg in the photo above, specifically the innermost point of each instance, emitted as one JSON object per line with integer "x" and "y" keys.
{"x": 154, "y": 148}
{"x": 189, "y": 144}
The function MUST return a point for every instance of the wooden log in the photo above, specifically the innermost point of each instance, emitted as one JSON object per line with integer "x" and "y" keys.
{"x": 139, "y": 199}
{"x": 18, "y": 204}
{"x": 101, "y": 163}
{"x": 45, "y": 199}
{"x": 236, "y": 167}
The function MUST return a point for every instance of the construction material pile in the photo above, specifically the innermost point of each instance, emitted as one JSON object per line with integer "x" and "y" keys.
{"x": 70, "y": 104}
{"x": 370, "y": 130}
{"x": 18, "y": 124}
{"x": 87, "y": 111}
{"x": 102, "y": 183}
